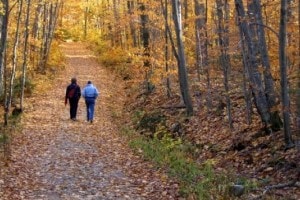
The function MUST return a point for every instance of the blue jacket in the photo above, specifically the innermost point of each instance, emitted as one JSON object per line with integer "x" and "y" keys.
{"x": 90, "y": 91}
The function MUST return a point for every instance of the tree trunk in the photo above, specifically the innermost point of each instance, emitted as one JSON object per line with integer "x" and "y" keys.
{"x": 43, "y": 38}
{"x": 86, "y": 18}
{"x": 182, "y": 73}
{"x": 130, "y": 7}
{"x": 50, "y": 19}
{"x": 14, "y": 62}
{"x": 246, "y": 80}
{"x": 269, "y": 82}
{"x": 54, "y": 11}
{"x": 25, "y": 53}
{"x": 298, "y": 87}
{"x": 117, "y": 31}
{"x": 223, "y": 12}
{"x": 283, "y": 72}
{"x": 201, "y": 45}
{"x": 200, "y": 27}
{"x": 145, "y": 38}
{"x": 164, "y": 6}
{"x": 272, "y": 97}
{"x": 255, "y": 76}
{"x": 35, "y": 26}
{"x": 3, "y": 40}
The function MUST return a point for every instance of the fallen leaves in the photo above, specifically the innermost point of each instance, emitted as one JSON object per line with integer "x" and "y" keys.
{"x": 56, "y": 158}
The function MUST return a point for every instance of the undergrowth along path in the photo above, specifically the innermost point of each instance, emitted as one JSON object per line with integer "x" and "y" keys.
{"x": 56, "y": 158}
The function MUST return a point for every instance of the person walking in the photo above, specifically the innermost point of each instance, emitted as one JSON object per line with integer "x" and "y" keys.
{"x": 73, "y": 94}
{"x": 90, "y": 93}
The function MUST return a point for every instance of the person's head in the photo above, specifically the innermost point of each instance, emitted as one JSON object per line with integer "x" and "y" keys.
{"x": 73, "y": 80}
{"x": 89, "y": 82}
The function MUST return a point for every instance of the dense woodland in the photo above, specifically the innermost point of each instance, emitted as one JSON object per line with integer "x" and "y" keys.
{"x": 222, "y": 76}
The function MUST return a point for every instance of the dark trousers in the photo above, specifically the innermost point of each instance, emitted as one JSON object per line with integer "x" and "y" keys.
{"x": 73, "y": 108}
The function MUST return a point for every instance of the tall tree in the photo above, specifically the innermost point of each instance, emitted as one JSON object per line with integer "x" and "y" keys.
{"x": 86, "y": 11}
{"x": 283, "y": 72}
{"x": 181, "y": 61}
{"x": 223, "y": 17}
{"x": 25, "y": 53}
{"x": 145, "y": 38}
{"x": 202, "y": 45}
{"x": 36, "y": 21}
{"x": 116, "y": 26}
{"x": 165, "y": 10}
{"x": 3, "y": 40}
{"x": 201, "y": 40}
{"x": 272, "y": 97}
{"x": 51, "y": 12}
{"x": 14, "y": 63}
{"x": 246, "y": 79}
{"x": 254, "y": 75}
{"x": 131, "y": 7}
{"x": 298, "y": 87}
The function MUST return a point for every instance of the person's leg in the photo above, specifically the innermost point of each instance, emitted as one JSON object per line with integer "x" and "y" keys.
{"x": 73, "y": 108}
{"x": 92, "y": 109}
{"x": 70, "y": 111}
{"x": 87, "y": 110}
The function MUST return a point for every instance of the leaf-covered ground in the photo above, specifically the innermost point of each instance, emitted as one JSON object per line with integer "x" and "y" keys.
{"x": 246, "y": 154}
{"x": 56, "y": 158}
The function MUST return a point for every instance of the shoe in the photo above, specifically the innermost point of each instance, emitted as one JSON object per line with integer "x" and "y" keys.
{"x": 74, "y": 119}
{"x": 91, "y": 121}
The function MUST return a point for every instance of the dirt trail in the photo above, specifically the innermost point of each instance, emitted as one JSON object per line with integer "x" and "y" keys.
{"x": 56, "y": 158}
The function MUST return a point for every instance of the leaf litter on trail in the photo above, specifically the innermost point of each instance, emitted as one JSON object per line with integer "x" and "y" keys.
{"x": 56, "y": 158}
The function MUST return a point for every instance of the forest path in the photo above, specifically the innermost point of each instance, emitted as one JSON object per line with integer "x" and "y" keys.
{"x": 56, "y": 158}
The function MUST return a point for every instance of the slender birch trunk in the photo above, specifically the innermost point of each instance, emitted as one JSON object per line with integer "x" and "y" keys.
{"x": 25, "y": 53}
{"x": 14, "y": 63}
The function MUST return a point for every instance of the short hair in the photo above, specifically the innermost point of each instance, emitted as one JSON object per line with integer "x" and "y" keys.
{"x": 73, "y": 80}
{"x": 89, "y": 82}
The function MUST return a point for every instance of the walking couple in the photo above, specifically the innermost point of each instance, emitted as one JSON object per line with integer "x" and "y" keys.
{"x": 73, "y": 94}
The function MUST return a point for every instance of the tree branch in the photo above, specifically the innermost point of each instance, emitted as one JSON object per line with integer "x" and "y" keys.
{"x": 272, "y": 30}
{"x": 279, "y": 186}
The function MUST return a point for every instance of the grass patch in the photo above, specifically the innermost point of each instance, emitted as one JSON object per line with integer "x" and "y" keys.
{"x": 196, "y": 181}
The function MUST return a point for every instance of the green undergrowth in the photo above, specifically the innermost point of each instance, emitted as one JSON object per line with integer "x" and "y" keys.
{"x": 197, "y": 181}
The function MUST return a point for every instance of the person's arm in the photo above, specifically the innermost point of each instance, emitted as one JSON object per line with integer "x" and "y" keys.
{"x": 96, "y": 92}
{"x": 78, "y": 92}
{"x": 66, "y": 96}
{"x": 82, "y": 93}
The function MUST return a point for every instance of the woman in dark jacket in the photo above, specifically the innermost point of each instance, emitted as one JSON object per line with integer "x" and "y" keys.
{"x": 73, "y": 94}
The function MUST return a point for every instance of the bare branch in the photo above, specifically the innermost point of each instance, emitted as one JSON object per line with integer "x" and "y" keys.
{"x": 272, "y": 30}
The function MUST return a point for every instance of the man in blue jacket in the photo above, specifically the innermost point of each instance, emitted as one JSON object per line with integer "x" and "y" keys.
{"x": 90, "y": 93}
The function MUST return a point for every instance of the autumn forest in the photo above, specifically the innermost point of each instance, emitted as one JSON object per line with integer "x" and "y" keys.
{"x": 199, "y": 99}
